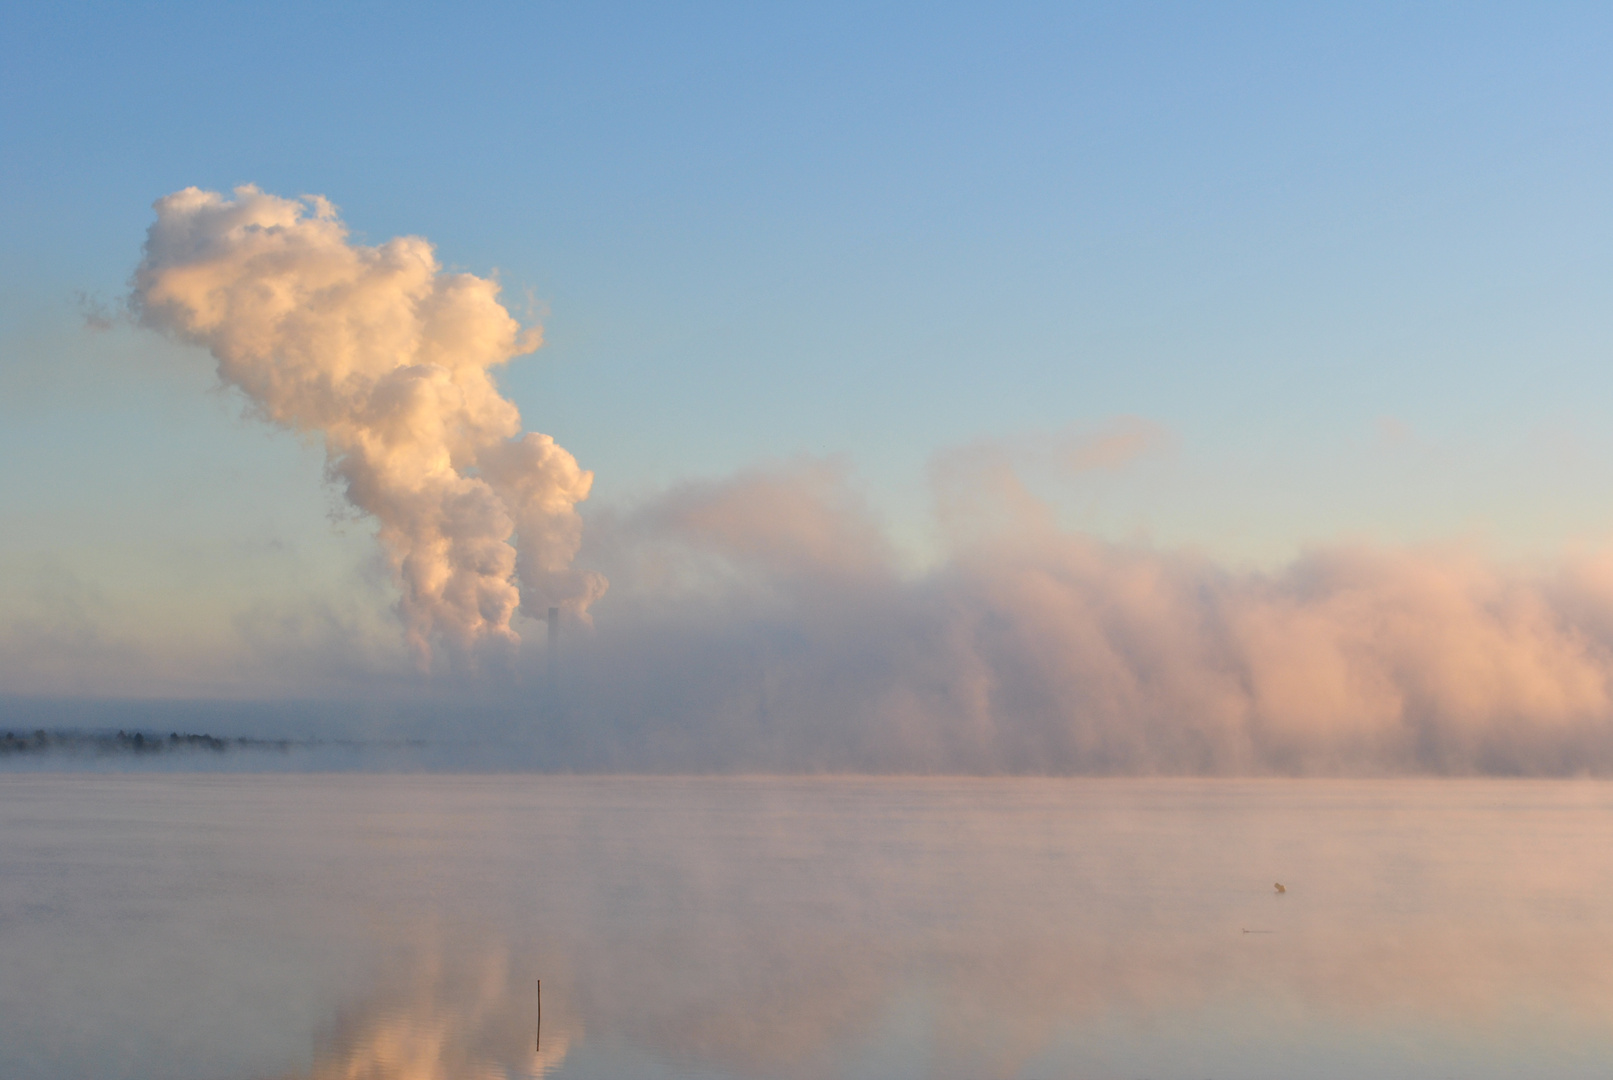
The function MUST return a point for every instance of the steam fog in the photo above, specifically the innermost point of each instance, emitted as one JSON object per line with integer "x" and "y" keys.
{"x": 765, "y": 623}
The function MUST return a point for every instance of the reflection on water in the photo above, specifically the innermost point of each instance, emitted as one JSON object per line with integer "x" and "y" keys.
{"x": 395, "y": 928}
{"x": 446, "y": 1015}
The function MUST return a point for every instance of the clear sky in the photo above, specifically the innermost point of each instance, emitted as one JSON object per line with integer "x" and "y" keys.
{"x": 1349, "y": 264}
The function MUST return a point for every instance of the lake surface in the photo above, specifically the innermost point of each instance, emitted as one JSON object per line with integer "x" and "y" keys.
{"x": 362, "y": 927}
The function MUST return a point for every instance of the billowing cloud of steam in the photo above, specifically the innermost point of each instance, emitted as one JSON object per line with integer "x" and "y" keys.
{"x": 763, "y": 623}
{"x": 387, "y": 358}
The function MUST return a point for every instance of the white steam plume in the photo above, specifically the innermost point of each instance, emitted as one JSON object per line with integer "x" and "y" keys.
{"x": 388, "y": 358}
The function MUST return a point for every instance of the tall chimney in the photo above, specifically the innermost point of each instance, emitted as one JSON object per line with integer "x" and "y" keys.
{"x": 553, "y": 655}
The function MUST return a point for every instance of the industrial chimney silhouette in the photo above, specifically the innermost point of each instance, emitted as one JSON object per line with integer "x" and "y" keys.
{"x": 553, "y": 656}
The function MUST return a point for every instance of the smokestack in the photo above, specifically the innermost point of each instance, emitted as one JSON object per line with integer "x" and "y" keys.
{"x": 553, "y": 656}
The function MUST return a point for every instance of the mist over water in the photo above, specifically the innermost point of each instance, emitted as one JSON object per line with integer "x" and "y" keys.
{"x": 764, "y": 623}
{"x": 397, "y": 927}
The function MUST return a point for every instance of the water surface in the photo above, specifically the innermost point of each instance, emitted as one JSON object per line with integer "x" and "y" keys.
{"x": 238, "y": 927}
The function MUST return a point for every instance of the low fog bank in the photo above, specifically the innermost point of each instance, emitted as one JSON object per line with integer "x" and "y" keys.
{"x": 765, "y": 624}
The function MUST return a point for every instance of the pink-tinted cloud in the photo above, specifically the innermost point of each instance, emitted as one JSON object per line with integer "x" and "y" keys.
{"x": 764, "y": 623}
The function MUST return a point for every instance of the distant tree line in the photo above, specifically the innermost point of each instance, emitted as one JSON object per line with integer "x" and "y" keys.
{"x": 124, "y": 742}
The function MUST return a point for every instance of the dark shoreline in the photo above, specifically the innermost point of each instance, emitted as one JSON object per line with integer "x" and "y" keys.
{"x": 104, "y": 743}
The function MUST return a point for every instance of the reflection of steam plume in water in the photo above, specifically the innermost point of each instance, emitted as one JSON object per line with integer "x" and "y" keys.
{"x": 387, "y": 358}
{"x": 447, "y": 1019}
{"x": 782, "y": 939}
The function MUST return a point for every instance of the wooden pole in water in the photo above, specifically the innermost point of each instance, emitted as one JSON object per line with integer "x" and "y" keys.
{"x": 539, "y": 1046}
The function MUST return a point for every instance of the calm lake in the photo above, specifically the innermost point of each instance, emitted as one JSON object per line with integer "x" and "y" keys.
{"x": 364, "y": 927}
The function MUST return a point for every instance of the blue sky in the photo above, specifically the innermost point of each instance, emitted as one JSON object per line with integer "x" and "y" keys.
{"x": 1354, "y": 259}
